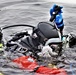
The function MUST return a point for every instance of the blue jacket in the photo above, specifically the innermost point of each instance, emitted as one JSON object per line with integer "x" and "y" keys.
{"x": 59, "y": 18}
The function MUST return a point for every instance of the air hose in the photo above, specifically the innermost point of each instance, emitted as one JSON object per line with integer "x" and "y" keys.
{"x": 6, "y": 27}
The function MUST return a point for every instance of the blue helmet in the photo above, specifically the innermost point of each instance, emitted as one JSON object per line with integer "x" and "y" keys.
{"x": 54, "y": 7}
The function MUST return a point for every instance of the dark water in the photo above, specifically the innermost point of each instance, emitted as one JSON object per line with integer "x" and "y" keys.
{"x": 32, "y": 12}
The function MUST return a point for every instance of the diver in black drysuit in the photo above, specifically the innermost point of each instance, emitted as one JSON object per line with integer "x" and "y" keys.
{"x": 28, "y": 44}
{"x": 33, "y": 42}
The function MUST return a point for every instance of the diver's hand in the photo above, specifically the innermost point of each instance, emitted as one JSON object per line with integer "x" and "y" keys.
{"x": 47, "y": 52}
{"x": 52, "y": 17}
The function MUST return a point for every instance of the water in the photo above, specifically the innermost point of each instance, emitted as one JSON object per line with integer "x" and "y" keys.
{"x": 32, "y": 12}
{"x": 63, "y": 1}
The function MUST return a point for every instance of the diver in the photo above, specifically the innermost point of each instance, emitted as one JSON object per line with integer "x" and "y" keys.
{"x": 1, "y": 42}
{"x": 32, "y": 44}
{"x": 56, "y": 17}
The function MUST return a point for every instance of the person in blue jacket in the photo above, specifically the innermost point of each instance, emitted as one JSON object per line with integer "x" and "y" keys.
{"x": 56, "y": 16}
